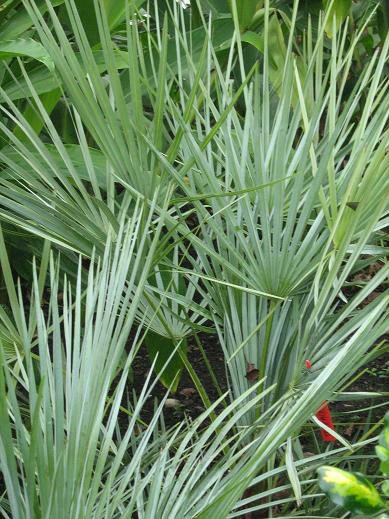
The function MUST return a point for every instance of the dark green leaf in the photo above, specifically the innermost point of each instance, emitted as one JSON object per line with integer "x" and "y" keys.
{"x": 20, "y": 21}
{"x": 254, "y": 39}
{"x": 167, "y": 366}
{"x": 115, "y": 11}
{"x": 340, "y": 9}
{"x": 41, "y": 78}
{"x": 26, "y": 47}
{"x": 245, "y": 10}
{"x": 32, "y": 115}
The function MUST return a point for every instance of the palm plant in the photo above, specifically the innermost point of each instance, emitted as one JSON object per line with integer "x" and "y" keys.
{"x": 285, "y": 181}
{"x": 65, "y": 451}
{"x": 61, "y": 392}
{"x": 281, "y": 221}
{"x": 289, "y": 198}
{"x": 80, "y": 183}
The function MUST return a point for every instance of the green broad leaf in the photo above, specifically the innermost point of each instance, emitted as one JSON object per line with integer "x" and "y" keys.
{"x": 168, "y": 365}
{"x": 382, "y": 450}
{"x": 26, "y": 47}
{"x": 385, "y": 487}
{"x": 245, "y": 10}
{"x": 340, "y": 9}
{"x": 383, "y": 455}
{"x": 277, "y": 53}
{"x": 121, "y": 59}
{"x": 215, "y": 6}
{"x": 115, "y": 11}
{"x": 44, "y": 81}
{"x": 49, "y": 100}
{"x": 221, "y": 30}
{"x": 277, "y": 49}
{"x": 9, "y": 156}
{"x": 350, "y": 490}
{"x": 20, "y": 21}
{"x": 255, "y": 39}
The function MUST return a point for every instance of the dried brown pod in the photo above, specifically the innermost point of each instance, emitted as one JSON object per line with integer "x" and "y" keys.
{"x": 252, "y": 373}
{"x": 188, "y": 391}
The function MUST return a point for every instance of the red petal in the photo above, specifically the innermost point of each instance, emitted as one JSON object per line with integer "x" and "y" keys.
{"x": 324, "y": 415}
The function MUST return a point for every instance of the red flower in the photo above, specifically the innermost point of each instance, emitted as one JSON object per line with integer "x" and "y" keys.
{"x": 324, "y": 415}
